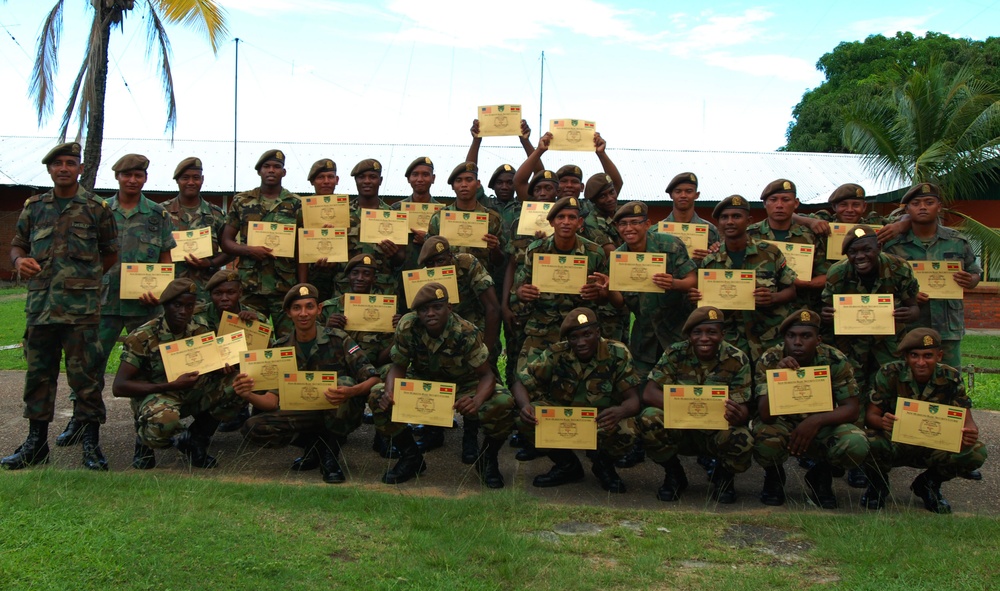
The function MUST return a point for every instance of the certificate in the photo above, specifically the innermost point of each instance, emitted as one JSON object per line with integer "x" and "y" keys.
{"x": 572, "y": 135}
{"x": 419, "y": 214}
{"x": 534, "y": 218}
{"x": 929, "y": 424}
{"x": 257, "y": 334}
{"x": 497, "y": 120}
{"x": 384, "y": 224}
{"x": 423, "y": 403}
{"x": 369, "y": 312}
{"x": 280, "y": 238}
{"x": 798, "y": 256}
{"x": 138, "y": 278}
{"x": 268, "y": 366}
{"x": 633, "y": 271}
{"x": 695, "y": 407}
{"x": 320, "y": 243}
{"x": 694, "y": 236}
{"x": 566, "y": 427}
{"x": 727, "y": 289}
{"x": 799, "y": 391}
{"x": 414, "y": 280}
{"x": 306, "y": 390}
{"x": 196, "y": 242}
{"x": 559, "y": 273}
{"x": 198, "y": 353}
{"x": 333, "y": 211}
{"x": 937, "y": 279}
{"x": 465, "y": 228}
{"x": 863, "y": 314}
{"x": 231, "y": 347}
{"x": 835, "y": 242}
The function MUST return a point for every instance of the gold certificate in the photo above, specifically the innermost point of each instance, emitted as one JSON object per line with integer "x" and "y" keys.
{"x": 414, "y": 280}
{"x": 572, "y": 135}
{"x": 231, "y": 347}
{"x": 306, "y": 390}
{"x": 257, "y": 334}
{"x": 423, "y": 403}
{"x": 419, "y": 214}
{"x": 559, "y": 273}
{"x": 799, "y": 256}
{"x": 566, "y": 427}
{"x": 384, "y": 224}
{"x": 929, "y": 424}
{"x": 465, "y": 228}
{"x": 330, "y": 211}
{"x": 835, "y": 242}
{"x": 633, "y": 271}
{"x": 534, "y": 218}
{"x": 799, "y": 391}
{"x": 196, "y": 242}
{"x": 694, "y": 236}
{"x": 695, "y": 407}
{"x": 323, "y": 243}
{"x": 727, "y": 289}
{"x": 138, "y": 278}
{"x": 497, "y": 120}
{"x": 937, "y": 279}
{"x": 280, "y": 238}
{"x": 268, "y": 366}
{"x": 863, "y": 314}
{"x": 369, "y": 312}
{"x": 198, "y": 353}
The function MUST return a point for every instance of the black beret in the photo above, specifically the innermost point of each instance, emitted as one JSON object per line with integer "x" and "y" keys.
{"x": 921, "y": 190}
{"x": 703, "y": 315}
{"x": 187, "y": 164}
{"x": 499, "y": 171}
{"x": 596, "y": 185}
{"x": 778, "y": 186}
{"x": 577, "y": 318}
{"x": 561, "y": 204}
{"x": 804, "y": 317}
{"x": 422, "y": 161}
{"x": 545, "y": 176}
{"x": 919, "y": 338}
{"x": 429, "y": 293}
{"x": 67, "y": 149}
{"x": 324, "y": 165}
{"x": 222, "y": 276}
{"x": 684, "y": 177}
{"x": 432, "y": 246}
{"x": 734, "y": 202}
{"x": 178, "y": 287}
{"x": 846, "y": 191}
{"x": 570, "y": 170}
{"x": 368, "y": 164}
{"x": 276, "y": 155}
{"x": 302, "y": 291}
{"x": 632, "y": 209}
{"x": 131, "y": 162}
{"x": 360, "y": 260}
{"x": 855, "y": 233}
{"x": 461, "y": 168}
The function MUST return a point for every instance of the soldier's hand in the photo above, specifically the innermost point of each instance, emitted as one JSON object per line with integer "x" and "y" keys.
{"x": 803, "y": 435}
{"x": 923, "y": 298}
{"x": 339, "y": 395}
{"x": 543, "y": 142}
{"x": 888, "y": 232}
{"x": 736, "y": 414}
{"x": 148, "y": 299}
{"x": 183, "y": 382}
{"x": 508, "y": 317}
{"x": 826, "y": 313}
{"x": 887, "y": 420}
{"x": 260, "y": 253}
{"x": 388, "y": 248}
{"x": 763, "y": 296}
{"x": 27, "y": 267}
{"x": 699, "y": 254}
{"x": 194, "y": 261}
{"x": 820, "y": 227}
{"x": 386, "y": 399}
{"x": 395, "y": 319}
{"x": 230, "y": 369}
{"x": 608, "y": 419}
{"x": 965, "y": 280}
{"x": 247, "y": 316}
{"x": 492, "y": 242}
{"x": 663, "y": 280}
{"x": 474, "y": 130}
{"x": 970, "y": 435}
{"x": 906, "y": 314}
{"x": 243, "y": 385}
{"x": 599, "y": 143}
{"x": 694, "y": 295}
{"x": 528, "y": 293}
{"x": 467, "y": 405}
{"x": 323, "y": 263}
{"x": 528, "y": 414}
{"x": 419, "y": 236}
{"x": 336, "y": 321}
{"x": 788, "y": 363}
{"x": 540, "y": 235}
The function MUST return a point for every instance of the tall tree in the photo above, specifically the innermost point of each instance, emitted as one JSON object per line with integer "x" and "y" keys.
{"x": 87, "y": 98}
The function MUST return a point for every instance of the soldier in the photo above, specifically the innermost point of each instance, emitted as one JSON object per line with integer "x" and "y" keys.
{"x": 920, "y": 376}
{"x": 703, "y": 359}
{"x": 599, "y": 229}
{"x": 502, "y": 181}
{"x": 683, "y": 191}
{"x": 583, "y": 369}
{"x": 848, "y": 206}
{"x": 464, "y": 180}
{"x": 432, "y": 343}
{"x": 323, "y": 177}
{"x": 829, "y": 437}
{"x": 64, "y": 241}
{"x": 420, "y": 175}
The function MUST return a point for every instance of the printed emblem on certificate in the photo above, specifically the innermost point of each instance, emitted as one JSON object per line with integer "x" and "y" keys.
{"x": 196, "y": 242}
{"x": 799, "y": 391}
{"x": 863, "y": 314}
{"x": 559, "y": 273}
{"x": 695, "y": 407}
{"x": 727, "y": 289}
{"x": 306, "y": 390}
{"x": 572, "y": 135}
{"x": 534, "y": 218}
{"x": 414, "y": 280}
{"x": 419, "y": 214}
{"x": 465, "y": 228}
{"x": 231, "y": 347}
{"x": 257, "y": 334}
{"x": 369, "y": 312}
{"x": 384, "y": 224}
{"x": 138, "y": 278}
{"x": 633, "y": 271}
{"x": 694, "y": 236}
{"x": 498, "y": 120}
{"x": 268, "y": 366}
{"x": 330, "y": 211}
{"x": 423, "y": 403}
{"x": 198, "y": 353}
{"x": 937, "y": 279}
{"x": 566, "y": 427}
{"x": 929, "y": 424}
{"x": 798, "y": 256}
{"x": 280, "y": 238}
{"x": 835, "y": 241}
{"x": 323, "y": 243}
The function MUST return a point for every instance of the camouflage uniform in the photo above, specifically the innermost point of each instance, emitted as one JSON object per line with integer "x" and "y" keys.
{"x": 211, "y": 316}
{"x": 473, "y": 281}
{"x": 412, "y": 250}
{"x": 480, "y": 252}
{"x": 894, "y": 380}
{"x": 601, "y": 231}
{"x": 870, "y": 219}
{"x": 515, "y": 248}
{"x": 386, "y": 279}
{"x": 841, "y": 445}
{"x": 206, "y": 215}
{"x": 372, "y": 343}
{"x": 67, "y": 238}
{"x": 798, "y": 234}
{"x": 713, "y": 232}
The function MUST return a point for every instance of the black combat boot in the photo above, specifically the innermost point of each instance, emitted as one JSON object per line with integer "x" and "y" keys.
{"x": 195, "y": 441}
{"x": 674, "y": 480}
{"x": 773, "y": 492}
{"x": 708, "y": 463}
{"x": 329, "y": 467}
{"x": 384, "y": 447}
{"x": 819, "y": 486}
{"x": 856, "y": 478}
{"x": 488, "y": 463}
{"x": 470, "y": 440}
{"x": 604, "y": 469}
{"x": 927, "y": 486}
{"x": 567, "y": 469}
{"x": 237, "y": 423}
{"x": 93, "y": 457}
{"x": 411, "y": 460}
{"x": 634, "y": 457}
{"x": 433, "y": 438}
{"x": 723, "y": 486}
{"x": 310, "y": 458}
{"x": 875, "y": 496}
{"x": 34, "y": 450}
{"x": 71, "y": 434}
{"x": 143, "y": 458}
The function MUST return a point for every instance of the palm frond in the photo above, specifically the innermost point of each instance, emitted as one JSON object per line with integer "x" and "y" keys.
{"x": 988, "y": 237}
{"x": 204, "y": 16}
{"x": 46, "y": 63}
{"x": 94, "y": 71}
{"x": 157, "y": 37}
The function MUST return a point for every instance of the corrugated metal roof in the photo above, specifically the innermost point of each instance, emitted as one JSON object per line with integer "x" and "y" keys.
{"x": 645, "y": 172}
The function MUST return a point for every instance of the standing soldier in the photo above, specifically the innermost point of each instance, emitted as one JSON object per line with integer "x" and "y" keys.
{"x": 323, "y": 177}
{"x": 420, "y": 176}
{"x": 683, "y": 191}
{"x": 464, "y": 180}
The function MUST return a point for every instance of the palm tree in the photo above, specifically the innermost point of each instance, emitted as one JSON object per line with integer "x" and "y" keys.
{"x": 86, "y": 100}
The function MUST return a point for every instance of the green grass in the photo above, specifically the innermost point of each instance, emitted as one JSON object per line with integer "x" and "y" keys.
{"x": 70, "y": 529}
{"x": 986, "y": 389}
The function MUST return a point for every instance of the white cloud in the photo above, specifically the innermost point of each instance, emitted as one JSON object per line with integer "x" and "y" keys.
{"x": 712, "y": 31}
{"x": 777, "y": 66}
{"x": 890, "y": 25}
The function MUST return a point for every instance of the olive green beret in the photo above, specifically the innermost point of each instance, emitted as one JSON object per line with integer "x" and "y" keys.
{"x": 703, "y": 315}
{"x": 276, "y": 155}
{"x": 561, "y": 204}
{"x": 577, "y": 318}
{"x": 846, "y": 191}
{"x": 360, "y": 260}
{"x": 919, "y": 338}
{"x": 682, "y": 178}
{"x": 324, "y": 165}
{"x": 545, "y": 176}
{"x": 67, "y": 149}
{"x": 461, "y": 168}
{"x": 778, "y": 186}
{"x": 855, "y": 233}
{"x": 187, "y": 164}
{"x": 222, "y": 276}
{"x": 596, "y": 185}
{"x": 176, "y": 288}
{"x": 731, "y": 202}
{"x": 422, "y": 161}
{"x": 131, "y": 162}
{"x": 632, "y": 209}
{"x": 432, "y": 246}
{"x": 366, "y": 165}
{"x": 499, "y": 171}
{"x": 302, "y": 291}
{"x": 430, "y": 293}
{"x": 921, "y": 190}
{"x": 805, "y": 317}
{"x": 570, "y": 170}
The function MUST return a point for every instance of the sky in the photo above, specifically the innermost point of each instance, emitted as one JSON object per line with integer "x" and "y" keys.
{"x": 721, "y": 76}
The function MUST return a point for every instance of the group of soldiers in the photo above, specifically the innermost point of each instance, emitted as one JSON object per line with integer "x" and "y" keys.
{"x": 612, "y": 350}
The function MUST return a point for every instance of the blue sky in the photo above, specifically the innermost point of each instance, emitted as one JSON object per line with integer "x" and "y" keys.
{"x": 670, "y": 75}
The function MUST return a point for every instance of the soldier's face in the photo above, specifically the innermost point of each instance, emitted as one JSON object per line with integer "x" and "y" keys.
{"x": 504, "y": 186}
{"x": 633, "y": 230}
{"x": 271, "y": 173}
{"x": 178, "y": 311}
{"x": 434, "y": 316}
{"x": 566, "y": 223}
{"x": 421, "y": 178}
{"x": 734, "y": 222}
{"x": 850, "y": 211}
{"x": 368, "y": 183}
{"x": 64, "y": 171}
{"x": 361, "y": 279}
{"x": 546, "y": 191}
{"x": 130, "y": 182}
{"x": 325, "y": 183}
{"x": 684, "y": 196}
{"x": 303, "y": 313}
{"x": 706, "y": 339}
{"x": 570, "y": 186}
{"x": 924, "y": 210}
{"x": 189, "y": 183}
{"x": 801, "y": 343}
{"x": 863, "y": 254}
{"x": 922, "y": 363}
{"x": 465, "y": 186}
{"x": 226, "y": 296}
{"x": 441, "y": 259}
{"x": 607, "y": 201}
{"x": 584, "y": 341}
{"x": 780, "y": 206}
